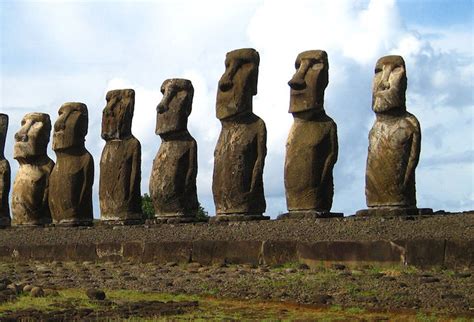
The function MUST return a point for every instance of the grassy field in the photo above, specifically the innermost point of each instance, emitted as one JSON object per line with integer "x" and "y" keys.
{"x": 209, "y": 308}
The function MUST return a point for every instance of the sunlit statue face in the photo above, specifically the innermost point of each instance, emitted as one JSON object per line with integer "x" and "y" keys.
{"x": 3, "y": 132}
{"x": 309, "y": 81}
{"x": 175, "y": 106}
{"x": 238, "y": 84}
{"x": 70, "y": 128}
{"x": 117, "y": 115}
{"x": 33, "y": 137}
{"x": 389, "y": 85}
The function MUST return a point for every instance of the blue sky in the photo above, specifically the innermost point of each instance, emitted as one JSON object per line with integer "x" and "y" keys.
{"x": 54, "y": 52}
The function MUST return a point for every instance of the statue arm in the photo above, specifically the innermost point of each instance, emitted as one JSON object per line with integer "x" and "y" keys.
{"x": 88, "y": 178}
{"x": 192, "y": 167}
{"x": 332, "y": 155}
{"x": 261, "y": 154}
{"x": 5, "y": 183}
{"x": 135, "y": 175}
{"x": 414, "y": 157}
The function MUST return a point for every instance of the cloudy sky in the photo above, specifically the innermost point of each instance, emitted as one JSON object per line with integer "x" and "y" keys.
{"x": 55, "y": 52}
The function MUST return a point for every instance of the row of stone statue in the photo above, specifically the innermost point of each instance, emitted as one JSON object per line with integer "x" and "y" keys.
{"x": 62, "y": 192}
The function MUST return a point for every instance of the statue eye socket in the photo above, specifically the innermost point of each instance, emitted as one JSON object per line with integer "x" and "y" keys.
{"x": 397, "y": 69}
{"x": 378, "y": 70}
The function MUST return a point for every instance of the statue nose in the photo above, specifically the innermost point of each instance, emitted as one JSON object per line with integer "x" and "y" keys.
{"x": 225, "y": 84}
{"x": 297, "y": 83}
{"x": 161, "y": 108}
{"x": 21, "y": 137}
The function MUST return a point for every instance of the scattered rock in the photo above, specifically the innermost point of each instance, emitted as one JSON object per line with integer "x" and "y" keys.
{"x": 429, "y": 279}
{"x": 171, "y": 264}
{"x": 95, "y": 294}
{"x": 339, "y": 267}
{"x": 463, "y": 275}
{"x": 322, "y": 298}
{"x": 37, "y": 292}
{"x": 290, "y": 270}
{"x": 303, "y": 266}
{"x": 27, "y": 288}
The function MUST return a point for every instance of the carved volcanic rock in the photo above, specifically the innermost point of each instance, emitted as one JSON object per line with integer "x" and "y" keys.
{"x": 240, "y": 152}
{"x": 31, "y": 186}
{"x": 312, "y": 148}
{"x": 120, "y": 164}
{"x": 70, "y": 193}
{"x": 173, "y": 177}
{"x": 394, "y": 141}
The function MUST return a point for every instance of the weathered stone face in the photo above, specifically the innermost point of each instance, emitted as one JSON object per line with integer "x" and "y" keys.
{"x": 394, "y": 141}
{"x": 33, "y": 136}
{"x": 70, "y": 188}
{"x": 5, "y": 174}
{"x": 175, "y": 106}
{"x": 31, "y": 186}
{"x": 309, "y": 81}
{"x": 70, "y": 128}
{"x": 173, "y": 177}
{"x": 120, "y": 164}
{"x": 311, "y": 148}
{"x": 238, "y": 85}
{"x": 117, "y": 115}
{"x": 389, "y": 85}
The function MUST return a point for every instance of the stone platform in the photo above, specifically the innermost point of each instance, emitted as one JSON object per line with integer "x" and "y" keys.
{"x": 444, "y": 240}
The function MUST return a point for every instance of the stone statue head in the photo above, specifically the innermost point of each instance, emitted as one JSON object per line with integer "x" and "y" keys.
{"x": 238, "y": 85}
{"x": 70, "y": 128}
{"x": 117, "y": 115}
{"x": 3, "y": 132}
{"x": 175, "y": 106}
{"x": 33, "y": 137}
{"x": 390, "y": 84}
{"x": 309, "y": 81}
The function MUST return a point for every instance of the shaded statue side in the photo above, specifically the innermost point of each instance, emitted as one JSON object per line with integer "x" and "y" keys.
{"x": 173, "y": 177}
{"x": 70, "y": 193}
{"x": 5, "y": 175}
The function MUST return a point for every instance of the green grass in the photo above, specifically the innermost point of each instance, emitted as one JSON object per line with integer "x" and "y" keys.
{"x": 210, "y": 309}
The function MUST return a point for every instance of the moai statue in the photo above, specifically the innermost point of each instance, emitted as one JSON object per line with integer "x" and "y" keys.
{"x": 120, "y": 164}
{"x": 5, "y": 175}
{"x": 31, "y": 185}
{"x": 173, "y": 177}
{"x": 240, "y": 152}
{"x": 70, "y": 184}
{"x": 311, "y": 149}
{"x": 394, "y": 145}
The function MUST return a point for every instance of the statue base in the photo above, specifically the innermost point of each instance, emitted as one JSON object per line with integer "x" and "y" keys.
{"x": 173, "y": 220}
{"x": 39, "y": 223}
{"x": 394, "y": 212}
{"x": 73, "y": 223}
{"x": 309, "y": 214}
{"x": 238, "y": 217}
{"x": 122, "y": 222}
{"x": 5, "y": 222}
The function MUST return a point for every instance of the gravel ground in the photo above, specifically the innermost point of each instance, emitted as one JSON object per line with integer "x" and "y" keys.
{"x": 369, "y": 287}
{"x": 458, "y": 226}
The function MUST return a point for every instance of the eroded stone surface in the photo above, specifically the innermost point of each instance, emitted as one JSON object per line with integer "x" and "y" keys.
{"x": 173, "y": 177}
{"x": 394, "y": 140}
{"x": 120, "y": 164}
{"x": 5, "y": 175}
{"x": 311, "y": 148}
{"x": 240, "y": 152}
{"x": 70, "y": 193}
{"x": 31, "y": 186}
